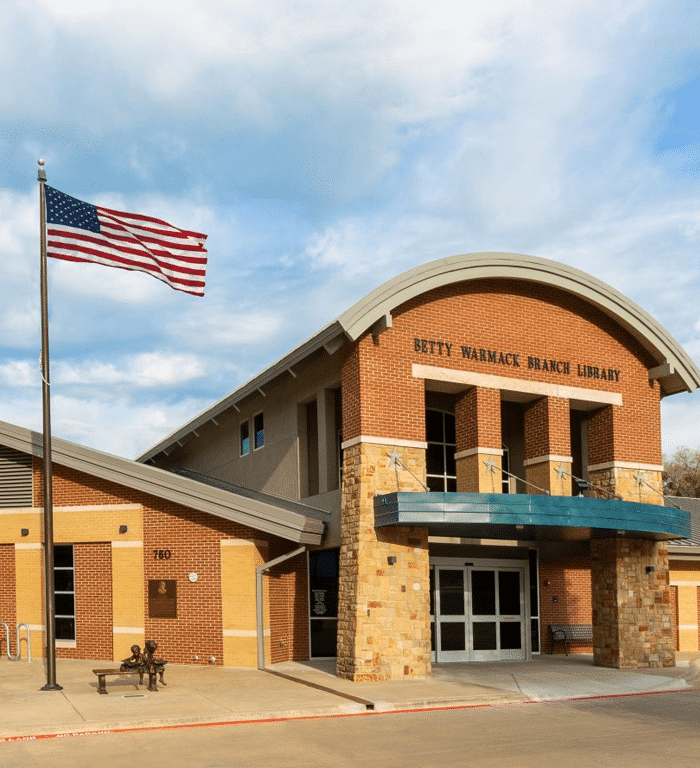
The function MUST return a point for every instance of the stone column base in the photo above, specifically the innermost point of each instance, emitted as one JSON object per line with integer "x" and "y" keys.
{"x": 642, "y": 483}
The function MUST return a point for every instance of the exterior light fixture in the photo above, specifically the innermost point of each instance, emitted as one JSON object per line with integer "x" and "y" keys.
{"x": 650, "y": 569}
{"x": 519, "y": 527}
{"x": 25, "y": 531}
{"x": 123, "y": 528}
{"x": 391, "y": 560}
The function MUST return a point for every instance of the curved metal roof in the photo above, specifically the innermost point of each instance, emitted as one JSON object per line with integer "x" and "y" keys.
{"x": 678, "y": 373}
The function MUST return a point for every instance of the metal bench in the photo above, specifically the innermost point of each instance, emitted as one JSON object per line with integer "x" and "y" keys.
{"x": 138, "y": 663}
{"x": 570, "y": 633}
{"x": 103, "y": 673}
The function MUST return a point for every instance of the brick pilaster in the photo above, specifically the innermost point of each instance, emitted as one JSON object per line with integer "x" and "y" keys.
{"x": 548, "y": 446}
{"x": 478, "y": 449}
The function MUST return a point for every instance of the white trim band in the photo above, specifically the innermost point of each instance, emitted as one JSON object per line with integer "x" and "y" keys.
{"x": 384, "y": 441}
{"x": 471, "y": 379}
{"x": 117, "y": 544}
{"x": 128, "y": 630}
{"x": 244, "y": 633}
{"x": 625, "y": 465}
{"x": 548, "y": 457}
{"x": 19, "y": 545}
{"x": 479, "y": 450}
{"x": 688, "y": 626}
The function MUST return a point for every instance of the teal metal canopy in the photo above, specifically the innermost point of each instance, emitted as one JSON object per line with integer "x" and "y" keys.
{"x": 527, "y": 517}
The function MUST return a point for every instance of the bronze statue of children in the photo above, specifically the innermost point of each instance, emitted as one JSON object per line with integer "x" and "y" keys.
{"x": 150, "y": 662}
{"x": 134, "y": 661}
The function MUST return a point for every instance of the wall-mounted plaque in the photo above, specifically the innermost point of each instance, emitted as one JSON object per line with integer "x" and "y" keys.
{"x": 162, "y": 599}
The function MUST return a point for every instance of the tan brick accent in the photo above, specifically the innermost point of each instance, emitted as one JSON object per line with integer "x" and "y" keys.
{"x": 239, "y": 559}
{"x": 384, "y": 609}
{"x": 480, "y": 472}
{"x": 128, "y": 598}
{"x": 29, "y": 569}
{"x": 632, "y": 609}
{"x": 685, "y": 578}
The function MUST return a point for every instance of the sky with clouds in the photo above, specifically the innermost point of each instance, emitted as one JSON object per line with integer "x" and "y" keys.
{"x": 326, "y": 148}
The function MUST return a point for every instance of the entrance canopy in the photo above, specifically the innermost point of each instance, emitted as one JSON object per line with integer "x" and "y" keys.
{"x": 529, "y": 517}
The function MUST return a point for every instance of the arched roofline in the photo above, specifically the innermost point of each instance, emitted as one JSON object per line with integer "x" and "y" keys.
{"x": 674, "y": 369}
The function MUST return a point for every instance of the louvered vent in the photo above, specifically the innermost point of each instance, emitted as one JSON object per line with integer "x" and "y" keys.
{"x": 15, "y": 478}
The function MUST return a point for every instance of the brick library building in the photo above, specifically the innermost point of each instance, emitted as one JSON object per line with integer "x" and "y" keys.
{"x": 465, "y": 459}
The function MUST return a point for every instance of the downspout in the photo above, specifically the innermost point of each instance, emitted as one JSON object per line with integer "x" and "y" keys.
{"x": 259, "y": 599}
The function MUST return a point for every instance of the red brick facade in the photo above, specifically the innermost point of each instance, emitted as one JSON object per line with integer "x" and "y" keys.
{"x": 93, "y": 603}
{"x": 532, "y": 325}
{"x": 565, "y": 598}
{"x": 478, "y": 419}
{"x": 7, "y": 595}
{"x": 192, "y": 539}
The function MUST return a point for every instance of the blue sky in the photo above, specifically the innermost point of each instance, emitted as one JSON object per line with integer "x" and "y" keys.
{"x": 324, "y": 149}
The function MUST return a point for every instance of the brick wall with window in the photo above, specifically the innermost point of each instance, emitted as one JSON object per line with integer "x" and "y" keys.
{"x": 191, "y": 539}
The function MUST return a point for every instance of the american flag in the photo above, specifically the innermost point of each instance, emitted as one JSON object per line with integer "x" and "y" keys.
{"x": 78, "y": 231}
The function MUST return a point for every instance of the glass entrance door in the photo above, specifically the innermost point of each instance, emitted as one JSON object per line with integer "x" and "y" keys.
{"x": 479, "y": 614}
{"x": 451, "y": 617}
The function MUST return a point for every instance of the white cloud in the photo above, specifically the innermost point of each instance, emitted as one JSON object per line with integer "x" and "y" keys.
{"x": 119, "y": 425}
{"x": 20, "y": 374}
{"x": 146, "y": 370}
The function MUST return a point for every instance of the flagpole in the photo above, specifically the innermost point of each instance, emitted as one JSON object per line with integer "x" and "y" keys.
{"x": 49, "y": 612}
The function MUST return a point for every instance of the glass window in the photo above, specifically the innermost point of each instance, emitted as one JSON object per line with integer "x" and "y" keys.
{"x": 258, "y": 431}
{"x": 440, "y": 455}
{"x": 64, "y": 591}
{"x": 244, "y": 438}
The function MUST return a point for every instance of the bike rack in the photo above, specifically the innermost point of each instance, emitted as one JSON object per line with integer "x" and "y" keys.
{"x": 28, "y": 638}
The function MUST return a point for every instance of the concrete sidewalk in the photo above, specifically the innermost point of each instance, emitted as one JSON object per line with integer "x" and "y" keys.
{"x": 199, "y": 695}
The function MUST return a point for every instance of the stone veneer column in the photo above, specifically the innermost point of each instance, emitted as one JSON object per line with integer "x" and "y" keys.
{"x": 548, "y": 446}
{"x": 632, "y": 604}
{"x": 383, "y": 608}
{"x": 478, "y": 451}
{"x": 630, "y": 480}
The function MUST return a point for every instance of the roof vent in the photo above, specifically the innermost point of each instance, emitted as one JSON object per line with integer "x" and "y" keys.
{"x": 15, "y": 478}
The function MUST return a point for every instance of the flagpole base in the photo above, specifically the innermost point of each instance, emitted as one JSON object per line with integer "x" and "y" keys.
{"x": 51, "y": 687}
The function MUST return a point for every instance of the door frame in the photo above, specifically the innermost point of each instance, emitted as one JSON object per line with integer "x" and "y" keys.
{"x": 469, "y": 564}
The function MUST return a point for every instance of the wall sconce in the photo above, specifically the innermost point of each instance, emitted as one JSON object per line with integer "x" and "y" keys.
{"x": 123, "y": 528}
{"x": 24, "y": 531}
{"x": 582, "y": 486}
{"x": 519, "y": 527}
{"x": 546, "y": 582}
{"x": 391, "y": 560}
{"x": 649, "y": 569}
